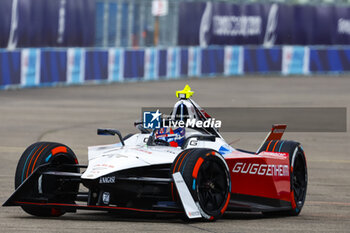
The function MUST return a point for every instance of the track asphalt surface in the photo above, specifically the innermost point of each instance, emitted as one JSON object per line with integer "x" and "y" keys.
{"x": 70, "y": 115}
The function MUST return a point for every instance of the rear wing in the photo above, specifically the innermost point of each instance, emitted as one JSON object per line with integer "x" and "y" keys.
{"x": 276, "y": 133}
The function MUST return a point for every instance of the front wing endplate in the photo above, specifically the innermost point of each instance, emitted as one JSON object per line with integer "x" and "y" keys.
{"x": 186, "y": 198}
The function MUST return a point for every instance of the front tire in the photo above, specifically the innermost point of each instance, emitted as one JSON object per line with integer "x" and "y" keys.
{"x": 41, "y": 153}
{"x": 207, "y": 177}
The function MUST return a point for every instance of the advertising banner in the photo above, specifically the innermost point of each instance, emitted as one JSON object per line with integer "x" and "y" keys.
{"x": 30, "y": 67}
{"x": 43, "y": 23}
{"x": 75, "y": 65}
{"x": 5, "y": 22}
{"x": 173, "y": 62}
{"x": 295, "y": 60}
{"x": 233, "y": 60}
{"x": 79, "y": 23}
{"x": 194, "y": 61}
{"x": 225, "y": 23}
{"x": 151, "y": 63}
{"x": 160, "y": 7}
{"x": 115, "y": 65}
{"x": 342, "y": 21}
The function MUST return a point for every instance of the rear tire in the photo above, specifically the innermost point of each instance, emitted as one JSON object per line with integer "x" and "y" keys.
{"x": 298, "y": 173}
{"x": 207, "y": 177}
{"x": 41, "y": 153}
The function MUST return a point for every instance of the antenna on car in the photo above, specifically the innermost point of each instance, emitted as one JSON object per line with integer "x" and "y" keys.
{"x": 186, "y": 93}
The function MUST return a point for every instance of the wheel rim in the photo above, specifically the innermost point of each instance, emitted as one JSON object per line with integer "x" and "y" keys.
{"x": 299, "y": 179}
{"x": 212, "y": 185}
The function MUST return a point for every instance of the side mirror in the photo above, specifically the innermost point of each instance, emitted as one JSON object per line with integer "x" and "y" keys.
{"x": 111, "y": 132}
{"x": 139, "y": 126}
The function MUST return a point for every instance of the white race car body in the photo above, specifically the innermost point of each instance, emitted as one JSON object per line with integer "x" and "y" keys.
{"x": 165, "y": 169}
{"x": 106, "y": 159}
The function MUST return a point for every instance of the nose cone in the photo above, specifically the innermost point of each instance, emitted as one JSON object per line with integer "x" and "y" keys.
{"x": 102, "y": 166}
{"x": 105, "y": 160}
{"x": 108, "y": 160}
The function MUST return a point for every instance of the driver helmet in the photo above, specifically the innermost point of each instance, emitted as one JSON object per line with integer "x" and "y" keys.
{"x": 175, "y": 137}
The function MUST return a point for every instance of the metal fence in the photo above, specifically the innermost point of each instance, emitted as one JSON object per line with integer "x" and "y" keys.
{"x": 131, "y": 24}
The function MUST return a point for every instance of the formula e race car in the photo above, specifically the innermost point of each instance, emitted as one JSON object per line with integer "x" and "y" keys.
{"x": 182, "y": 169}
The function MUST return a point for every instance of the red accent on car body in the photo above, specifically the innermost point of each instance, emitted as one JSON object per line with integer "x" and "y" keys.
{"x": 276, "y": 132}
{"x": 264, "y": 175}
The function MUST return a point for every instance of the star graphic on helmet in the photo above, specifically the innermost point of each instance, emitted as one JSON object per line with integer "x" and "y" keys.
{"x": 156, "y": 115}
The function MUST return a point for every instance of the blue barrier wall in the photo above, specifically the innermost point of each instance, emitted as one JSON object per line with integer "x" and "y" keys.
{"x": 134, "y": 61}
{"x": 10, "y": 68}
{"x": 262, "y": 60}
{"x": 53, "y": 67}
{"x": 334, "y": 60}
{"x": 212, "y": 61}
{"x": 37, "y": 67}
{"x": 96, "y": 65}
{"x": 162, "y": 64}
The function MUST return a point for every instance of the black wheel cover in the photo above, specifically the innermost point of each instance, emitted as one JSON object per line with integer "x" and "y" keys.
{"x": 212, "y": 185}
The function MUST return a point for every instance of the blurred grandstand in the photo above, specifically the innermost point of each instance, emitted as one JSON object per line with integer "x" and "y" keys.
{"x": 78, "y": 41}
{"x": 134, "y": 23}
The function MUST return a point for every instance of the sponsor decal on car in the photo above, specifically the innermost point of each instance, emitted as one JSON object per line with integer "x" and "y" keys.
{"x": 107, "y": 180}
{"x": 106, "y": 198}
{"x": 261, "y": 169}
{"x": 194, "y": 213}
{"x": 104, "y": 165}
